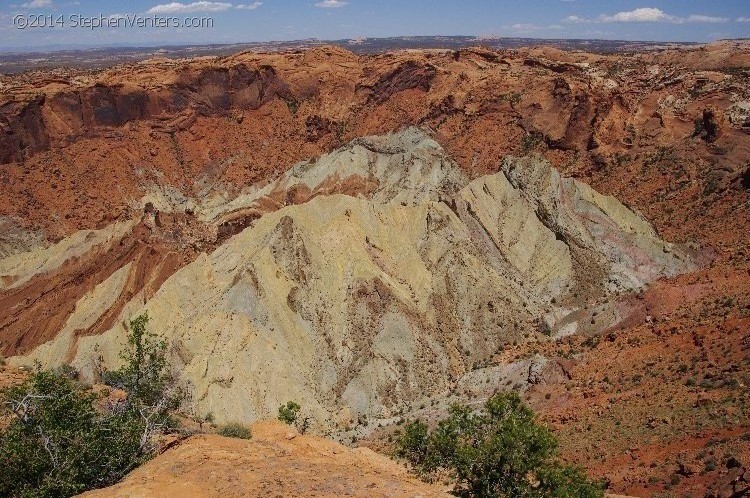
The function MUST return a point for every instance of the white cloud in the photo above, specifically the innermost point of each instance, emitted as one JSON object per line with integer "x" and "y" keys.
{"x": 743, "y": 19}
{"x": 524, "y": 28}
{"x": 248, "y": 6}
{"x": 700, "y": 18}
{"x": 646, "y": 14}
{"x": 330, "y": 4}
{"x": 187, "y": 8}
{"x": 37, "y": 4}
{"x": 576, "y": 19}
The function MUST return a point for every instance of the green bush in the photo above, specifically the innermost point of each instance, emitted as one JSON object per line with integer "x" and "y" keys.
{"x": 288, "y": 413}
{"x": 63, "y": 439}
{"x": 531, "y": 141}
{"x": 57, "y": 444}
{"x": 235, "y": 430}
{"x": 499, "y": 451}
{"x": 144, "y": 376}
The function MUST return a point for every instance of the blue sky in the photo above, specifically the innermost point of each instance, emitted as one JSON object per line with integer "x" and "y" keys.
{"x": 251, "y": 20}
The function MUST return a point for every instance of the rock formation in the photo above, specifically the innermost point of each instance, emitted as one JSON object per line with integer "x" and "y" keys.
{"x": 277, "y": 460}
{"x": 378, "y": 236}
{"x": 372, "y": 278}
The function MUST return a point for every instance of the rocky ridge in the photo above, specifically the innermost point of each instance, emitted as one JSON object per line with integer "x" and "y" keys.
{"x": 276, "y": 461}
{"x": 364, "y": 301}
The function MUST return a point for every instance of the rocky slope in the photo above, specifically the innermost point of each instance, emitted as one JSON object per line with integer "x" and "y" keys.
{"x": 364, "y": 302}
{"x": 276, "y": 461}
{"x": 284, "y": 256}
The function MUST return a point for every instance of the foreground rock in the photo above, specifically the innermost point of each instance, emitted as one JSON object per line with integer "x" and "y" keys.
{"x": 275, "y": 462}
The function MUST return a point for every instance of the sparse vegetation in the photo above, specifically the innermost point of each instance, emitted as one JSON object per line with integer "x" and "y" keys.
{"x": 499, "y": 451}
{"x": 513, "y": 98}
{"x": 734, "y": 70}
{"x": 63, "y": 439}
{"x": 663, "y": 158}
{"x": 144, "y": 376}
{"x": 289, "y": 413}
{"x": 697, "y": 126}
{"x": 235, "y": 430}
{"x": 530, "y": 142}
{"x": 208, "y": 418}
{"x": 711, "y": 186}
{"x": 292, "y": 104}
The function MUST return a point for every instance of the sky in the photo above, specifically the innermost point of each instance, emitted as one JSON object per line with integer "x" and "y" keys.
{"x": 94, "y": 23}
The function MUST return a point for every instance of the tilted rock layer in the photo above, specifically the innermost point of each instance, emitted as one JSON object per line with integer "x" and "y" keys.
{"x": 129, "y": 174}
{"x": 364, "y": 301}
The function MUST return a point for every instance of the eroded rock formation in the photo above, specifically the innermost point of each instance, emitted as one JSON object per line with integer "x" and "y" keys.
{"x": 371, "y": 278}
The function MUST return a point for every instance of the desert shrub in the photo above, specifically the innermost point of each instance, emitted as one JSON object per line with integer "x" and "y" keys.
{"x": 293, "y": 105}
{"x": 697, "y": 126}
{"x": 711, "y": 186}
{"x": 413, "y": 444}
{"x": 57, "y": 444}
{"x": 66, "y": 371}
{"x": 499, "y": 451}
{"x": 62, "y": 439}
{"x": 144, "y": 375}
{"x": 531, "y": 141}
{"x": 288, "y": 413}
{"x": 235, "y": 430}
{"x": 207, "y": 418}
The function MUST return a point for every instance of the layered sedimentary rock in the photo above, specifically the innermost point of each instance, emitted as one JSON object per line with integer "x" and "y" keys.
{"x": 35, "y": 124}
{"x": 371, "y": 278}
{"x": 219, "y": 124}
